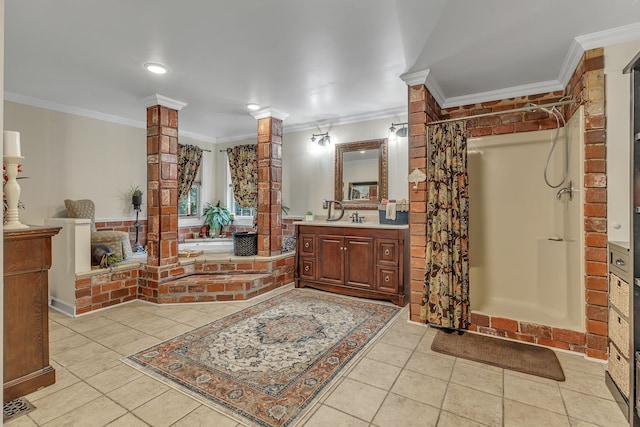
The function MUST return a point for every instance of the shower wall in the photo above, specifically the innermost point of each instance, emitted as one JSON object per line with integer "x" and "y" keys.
{"x": 526, "y": 257}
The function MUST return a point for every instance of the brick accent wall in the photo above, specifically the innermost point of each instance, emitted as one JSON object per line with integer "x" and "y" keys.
{"x": 106, "y": 289}
{"x": 269, "y": 186}
{"x": 126, "y": 226}
{"x": 586, "y": 85}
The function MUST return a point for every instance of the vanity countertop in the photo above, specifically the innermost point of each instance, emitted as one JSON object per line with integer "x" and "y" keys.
{"x": 352, "y": 224}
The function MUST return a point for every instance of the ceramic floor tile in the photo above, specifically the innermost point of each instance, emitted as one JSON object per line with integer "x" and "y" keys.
{"x": 401, "y": 339}
{"x": 95, "y": 365}
{"x": 375, "y": 373}
{"x": 165, "y": 409}
{"x": 535, "y": 378}
{"x": 534, "y": 393}
{"x": 96, "y": 413}
{"x": 127, "y": 420}
{"x": 431, "y": 364}
{"x": 113, "y": 378}
{"x": 357, "y": 399}
{"x": 518, "y": 414}
{"x": 137, "y": 345}
{"x": 78, "y": 354}
{"x": 402, "y": 325}
{"x": 123, "y": 338}
{"x": 137, "y": 392}
{"x": 587, "y": 383}
{"x": 424, "y": 388}
{"x": 155, "y": 324}
{"x": 478, "y": 378}
{"x": 58, "y": 332}
{"x": 398, "y": 410}
{"x": 71, "y": 341}
{"x": 593, "y": 409}
{"x": 389, "y": 354}
{"x": 59, "y": 403}
{"x": 173, "y": 332}
{"x": 579, "y": 363}
{"x": 89, "y": 322}
{"x": 447, "y": 419}
{"x": 102, "y": 332}
{"x": 580, "y": 423}
{"x": 327, "y": 416}
{"x": 64, "y": 379}
{"x": 21, "y": 421}
{"x": 474, "y": 405}
{"x": 204, "y": 416}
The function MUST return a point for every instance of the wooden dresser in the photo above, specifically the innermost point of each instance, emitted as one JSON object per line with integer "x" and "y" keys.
{"x": 27, "y": 259}
{"x": 358, "y": 260}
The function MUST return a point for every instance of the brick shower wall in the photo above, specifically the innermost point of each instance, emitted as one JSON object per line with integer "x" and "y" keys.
{"x": 587, "y": 86}
{"x": 126, "y": 226}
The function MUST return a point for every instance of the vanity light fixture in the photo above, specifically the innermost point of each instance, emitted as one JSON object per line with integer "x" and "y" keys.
{"x": 253, "y": 106}
{"x": 394, "y": 133}
{"x": 156, "y": 68}
{"x": 322, "y": 142}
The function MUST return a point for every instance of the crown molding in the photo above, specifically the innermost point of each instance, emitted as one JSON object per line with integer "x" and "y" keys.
{"x": 157, "y": 99}
{"x": 506, "y": 93}
{"x": 269, "y": 112}
{"x": 571, "y": 61}
{"x": 609, "y": 37}
{"x": 76, "y": 111}
{"x": 435, "y": 89}
{"x": 415, "y": 77}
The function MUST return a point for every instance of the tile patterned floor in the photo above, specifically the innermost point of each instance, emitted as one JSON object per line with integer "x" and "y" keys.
{"x": 398, "y": 382}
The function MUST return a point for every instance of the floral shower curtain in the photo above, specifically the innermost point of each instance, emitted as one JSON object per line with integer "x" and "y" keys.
{"x": 189, "y": 158}
{"x": 243, "y": 164}
{"x": 446, "y": 286}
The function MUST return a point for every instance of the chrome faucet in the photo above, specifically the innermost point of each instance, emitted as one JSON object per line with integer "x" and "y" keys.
{"x": 567, "y": 190}
{"x": 329, "y": 205}
{"x": 357, "y": 218}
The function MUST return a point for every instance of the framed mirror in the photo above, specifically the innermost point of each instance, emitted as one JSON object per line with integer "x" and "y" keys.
{"x": 361, "y": 173}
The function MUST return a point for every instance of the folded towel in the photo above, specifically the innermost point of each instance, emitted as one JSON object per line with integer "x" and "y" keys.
{"x": 390, "y": 214}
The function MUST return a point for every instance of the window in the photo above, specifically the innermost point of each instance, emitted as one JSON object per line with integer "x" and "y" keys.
{"x": 188, "y": 205}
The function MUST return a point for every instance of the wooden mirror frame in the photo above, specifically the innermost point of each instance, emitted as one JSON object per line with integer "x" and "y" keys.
{"x": 373, "y": 144}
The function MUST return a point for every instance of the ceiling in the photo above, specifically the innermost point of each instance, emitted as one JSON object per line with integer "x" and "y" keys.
{"x": 323, "y": 62}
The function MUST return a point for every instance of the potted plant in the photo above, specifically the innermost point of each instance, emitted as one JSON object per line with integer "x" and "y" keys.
{"x": 216, "y": 217}
{"x": 308, "y": 216}
{"x": 136, "y": 196}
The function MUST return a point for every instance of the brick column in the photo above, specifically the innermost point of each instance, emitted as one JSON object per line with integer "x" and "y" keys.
{"x": 269, "y": 181}
{"x": 423, "y": 109}
{"x": 162, "y": 191}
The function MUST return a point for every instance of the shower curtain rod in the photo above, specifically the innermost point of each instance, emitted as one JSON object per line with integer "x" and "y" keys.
{"x": 495, "y": 113}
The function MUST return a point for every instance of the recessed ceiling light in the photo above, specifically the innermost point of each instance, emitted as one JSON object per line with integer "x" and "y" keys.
{"x": 155, "y": 68}
{"x": 253, "y": 106}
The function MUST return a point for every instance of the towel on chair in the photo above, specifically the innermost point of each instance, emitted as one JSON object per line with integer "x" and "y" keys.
{"x": 391, "y": 211}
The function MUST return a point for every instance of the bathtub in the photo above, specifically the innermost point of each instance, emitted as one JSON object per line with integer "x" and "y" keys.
{"x": 208, "y": 246}
{"x": 525, "y": 245}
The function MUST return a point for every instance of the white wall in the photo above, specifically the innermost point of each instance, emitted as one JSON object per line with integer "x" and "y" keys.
{"x": 307, "y": 170}
{"x": 618, "y": 103}
{"x": 73, "y": 157}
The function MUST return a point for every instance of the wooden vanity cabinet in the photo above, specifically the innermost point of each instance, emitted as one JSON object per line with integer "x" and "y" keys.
{"x": 357, "y": 261}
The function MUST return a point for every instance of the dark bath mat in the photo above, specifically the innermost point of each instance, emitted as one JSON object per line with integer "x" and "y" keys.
{"x": 16, "y": 407}
{"x": 516, "y": 356}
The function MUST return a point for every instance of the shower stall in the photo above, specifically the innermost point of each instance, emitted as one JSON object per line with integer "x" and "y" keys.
{"x": 526, "y": 237}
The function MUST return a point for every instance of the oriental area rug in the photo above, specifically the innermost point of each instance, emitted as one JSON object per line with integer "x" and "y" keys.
{"x": 266, "y": 365}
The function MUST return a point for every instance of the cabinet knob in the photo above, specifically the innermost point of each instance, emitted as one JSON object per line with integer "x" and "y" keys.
{"x": 619, "y": 262}
{"x": 306, "y": 268}
{"x": 387, "y": 251}
{"x": 306, "y": 244}
{"x": 386, "y": 279}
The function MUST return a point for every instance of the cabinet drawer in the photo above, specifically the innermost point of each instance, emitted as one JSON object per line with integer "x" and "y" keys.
{"x": 619, "y": 294}
{"x": 387, "y": 252}
{"x": 619, "y": 332}
{"x": 619, "y": 370}
{"x": 307, "y": 244}
{"x": 618, "y": 260}
{"x": 307, "y": 269}
{"x": 387, "y": 279}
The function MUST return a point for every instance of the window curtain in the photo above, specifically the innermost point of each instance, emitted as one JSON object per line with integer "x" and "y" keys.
{"x": 243, "y": 165}
{"x": 446, "y": 286}
{"x": 189, "y": 158}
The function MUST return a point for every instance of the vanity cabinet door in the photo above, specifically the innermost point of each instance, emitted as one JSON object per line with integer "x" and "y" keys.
{"x": 331, "y": 254}
{"x": 359, "y": 262}
{"x": 387, "y": 252}
{"x": 387, "y": 279}
{"x": 307, "y": 244}
{"x": 307, "y": 268}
